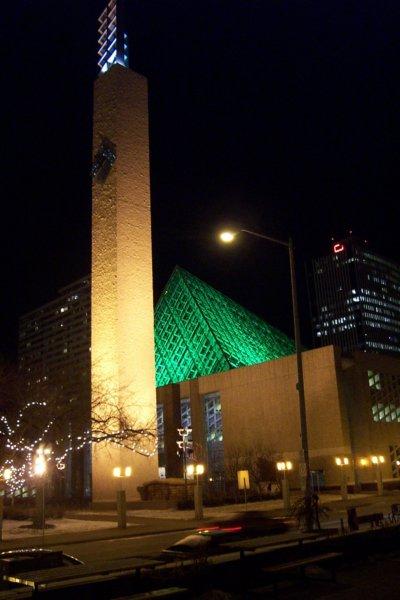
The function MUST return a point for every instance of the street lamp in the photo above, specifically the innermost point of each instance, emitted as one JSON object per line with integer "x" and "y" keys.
{"x": 285, "y": 466}
{"x": 228, "y": 237}
{"x": 39, "y": 470}
{"x": 185, "y": 446}
{"x": 343, "y": 462}
{"x": 5, "y": 476}
{"x": 378, "y": 461}
{"x": 120, "y": 473}
{"x": 197, "y": 470}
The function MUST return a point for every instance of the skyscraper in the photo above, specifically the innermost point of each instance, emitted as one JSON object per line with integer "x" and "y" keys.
{"x": 54, "y": 358}
{"x": 356, "y": 299}
{"x": 122, "y": 282}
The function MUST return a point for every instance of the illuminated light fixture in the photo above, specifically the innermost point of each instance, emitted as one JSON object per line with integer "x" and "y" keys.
{"x": 342, "y": 462}
{"x": 39, "y": 465}
{"x": 376, "y": 460}
{"x": 398, "y": 463}
{"x": 283, "y": 465}
{"x": 7, "y": 474}
{"x": 195, "y": 470}
{"x": 116, "y": 472}
{"x": 227, "y": 236}
{"x": 363, "y": 462}
{"x": 338, "y": 248}
{"x": 128, "y": 471}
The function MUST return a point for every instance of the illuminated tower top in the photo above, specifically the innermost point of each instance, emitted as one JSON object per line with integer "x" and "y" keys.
{"x": 113, "y": 39}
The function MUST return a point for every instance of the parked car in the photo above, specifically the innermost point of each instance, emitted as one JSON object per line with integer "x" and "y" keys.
{"x": 238, "y": 526}
{"x": 29, "y": 559}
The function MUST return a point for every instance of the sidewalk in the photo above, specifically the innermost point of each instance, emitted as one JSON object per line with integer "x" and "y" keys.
{"x": 105, "y": 530}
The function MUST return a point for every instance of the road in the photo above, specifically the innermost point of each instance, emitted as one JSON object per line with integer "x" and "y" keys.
{"x": 143, "y": 545}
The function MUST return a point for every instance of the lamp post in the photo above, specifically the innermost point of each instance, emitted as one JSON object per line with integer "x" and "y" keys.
{"x": 5, "y": 476}
{"x": 184, "y": 446}
{"x": 378, "y": 461}
{"x": 120, "y": 474}
{"x": 342, "y": 463}
{"x": 228, "y": 237}
{"x": 197, "y": 470}
{"x": 284, "y": 467}
{"x": 39, "y": 472}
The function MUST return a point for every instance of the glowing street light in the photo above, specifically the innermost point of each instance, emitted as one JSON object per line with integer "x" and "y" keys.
{"x": 117, "y": 472}
{"x": 229, "y": 236}
{"x": 343, "y": 461}
{"x": 39, "y": 469}
{"x": 378, "y": 461}
{"x": 197, "y": 469}
{"x": 39, "y": 465}
{"x": 7, "y": 474}
{"x": 121, "y": 473}
{"x": 285, "y": 466}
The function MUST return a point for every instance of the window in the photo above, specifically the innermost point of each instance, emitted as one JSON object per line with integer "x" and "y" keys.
{"x": 214, "y": 434}
{"x": 384, "y": 391}
{"x": 186, "y": 414}
{"x": 160, "y": 428}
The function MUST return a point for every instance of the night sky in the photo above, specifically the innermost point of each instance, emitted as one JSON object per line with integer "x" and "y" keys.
{"x": 279, "y": 116}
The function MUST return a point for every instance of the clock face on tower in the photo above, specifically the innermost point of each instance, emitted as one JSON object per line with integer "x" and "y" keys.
{"x": 104, "y": 160}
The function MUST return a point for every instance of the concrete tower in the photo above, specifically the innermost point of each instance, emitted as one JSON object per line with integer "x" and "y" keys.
{"x": 123, "y": 365}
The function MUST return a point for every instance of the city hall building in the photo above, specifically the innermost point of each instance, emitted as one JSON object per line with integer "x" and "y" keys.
{"x": 231, "y": 377}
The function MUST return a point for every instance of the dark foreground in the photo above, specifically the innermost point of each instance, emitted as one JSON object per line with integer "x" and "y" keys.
{"x": 361, "y": 565}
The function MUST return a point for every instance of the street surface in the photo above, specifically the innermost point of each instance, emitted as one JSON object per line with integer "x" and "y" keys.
{"x": 143, "y": 545}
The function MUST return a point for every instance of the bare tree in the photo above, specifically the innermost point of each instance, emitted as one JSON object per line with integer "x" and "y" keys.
{"x": 44, "y": 415}
{"x": 257, "y": 459}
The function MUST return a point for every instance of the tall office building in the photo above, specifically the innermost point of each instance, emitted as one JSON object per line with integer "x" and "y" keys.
{"x": 356, "y": 299}
{"x": 54, "y": 357}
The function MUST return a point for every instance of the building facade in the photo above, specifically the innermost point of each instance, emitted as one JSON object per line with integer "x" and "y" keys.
{"x": 198, "y": 332}
{"x": 54, "y": 357}
{"x": 231, "y": 378}
{"x": 352, "y": 404}
{"x": 356, "y": 299}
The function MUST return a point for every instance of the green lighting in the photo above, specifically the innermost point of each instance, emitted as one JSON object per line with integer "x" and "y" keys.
{"x": 199, "y": 331}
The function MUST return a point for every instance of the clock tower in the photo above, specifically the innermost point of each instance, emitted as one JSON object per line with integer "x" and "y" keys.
{"x": 122, "y": 345}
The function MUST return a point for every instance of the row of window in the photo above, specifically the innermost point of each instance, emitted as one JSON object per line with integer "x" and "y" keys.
{"x": 213, "y": 429}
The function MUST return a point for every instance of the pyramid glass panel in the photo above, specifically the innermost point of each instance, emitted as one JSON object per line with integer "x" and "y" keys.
{"x": 199, "y": 331}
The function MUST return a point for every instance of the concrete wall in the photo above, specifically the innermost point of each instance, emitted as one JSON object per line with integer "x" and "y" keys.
{"x": 260, "y": 406}
{"x": 368, "y": 437}
{"x": 123, "y": 364}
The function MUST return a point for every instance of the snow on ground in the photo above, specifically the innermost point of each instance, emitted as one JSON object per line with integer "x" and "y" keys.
{"x": 228, "y": 509}
{"x": 13, "y": 530}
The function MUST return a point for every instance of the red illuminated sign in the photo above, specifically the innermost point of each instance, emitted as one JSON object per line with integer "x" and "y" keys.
{"x": 338, "y": 248}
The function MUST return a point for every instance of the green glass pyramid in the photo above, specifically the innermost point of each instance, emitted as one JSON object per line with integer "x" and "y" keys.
{"x": 199, "y": 331}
